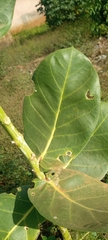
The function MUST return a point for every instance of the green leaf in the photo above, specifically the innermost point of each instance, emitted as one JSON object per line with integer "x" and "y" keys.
{"x": 18, "y": 217}
{"x": 60, "y": 116}
{"x": 73, "y": 200}
{"x": 6, "y": 14}
{"x": 93, "y": 160}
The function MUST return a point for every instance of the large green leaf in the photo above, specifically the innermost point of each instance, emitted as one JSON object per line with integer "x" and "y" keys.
{"x": 73, "y": 200}
{"x": 6, "y": 14}
{"x": 60, "y": 116}
{"x": 18, "y": 217}
{"x": 93, "y": 160}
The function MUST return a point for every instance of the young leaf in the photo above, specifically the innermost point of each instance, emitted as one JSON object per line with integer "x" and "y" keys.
{"x": 60, "y": 116}
{"x": 6, "y": 14}
{"x": 18, "y": 217}
{"x": 73, "y": 200}
{"x": 93, "y": 160}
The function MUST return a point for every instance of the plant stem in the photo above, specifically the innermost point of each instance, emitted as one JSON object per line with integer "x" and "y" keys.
{"x": 84, "y": 236}
{"x": 18, "y": 139}
{"x": 65, "y": 233}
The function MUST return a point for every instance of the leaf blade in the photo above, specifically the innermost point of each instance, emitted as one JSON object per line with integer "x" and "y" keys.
{"x": 19, "y": 219}
{"x": 93, "y": 159}
{"x": 62, "y": 114}
{"x": 75, "y": 201}
{"x": 6, "y": 14}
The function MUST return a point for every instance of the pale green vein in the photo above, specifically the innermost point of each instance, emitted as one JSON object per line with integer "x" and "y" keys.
{"x": 37, "y": 129}
{"x": 3, "y": 231}
{"x": 47, "y": 101}
{"x": 77, "y": 118}
{"x": 33, "y": 142}
{"x": 61, "y": 192}
{"x": 95, "y": 150}
{"x": 100, "y": 124}
{"x": 73, "y": 104}
{"x": 54, "y": 77}
{"x": 56, "y": 118}
{"x": 89, "y": 166}
{"x": 5, "y": 6}
{"x": 79, "y": 88}
{"x": 38, "y": 113}
{"x": 23, "y": 218}
{"x": 4, "y": 210}
{"x": 69, "y": 135}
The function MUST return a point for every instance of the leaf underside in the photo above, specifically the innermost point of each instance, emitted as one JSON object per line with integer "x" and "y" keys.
{"x": 18, "y": 217}
{"x": 6, "y": 14}
{"x": 72, "y": 199}
{"x": 60, "y": 116}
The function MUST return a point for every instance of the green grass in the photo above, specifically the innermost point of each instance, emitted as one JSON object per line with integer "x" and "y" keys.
{"x": 29, "y": 45}
{"x": 30, "y": 33}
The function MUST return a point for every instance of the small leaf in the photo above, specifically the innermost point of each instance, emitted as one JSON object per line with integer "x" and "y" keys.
{"x": 63, "y": 112}
{"x": 93, "y": 160}
{"x": 73, "y": 200}
{"x": 6, "y": 14}
{"x": 18, "y": 217}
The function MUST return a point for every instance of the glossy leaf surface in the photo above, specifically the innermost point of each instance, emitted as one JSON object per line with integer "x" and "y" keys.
{"x": 93, "y": 160}
{"x": 72, "y": 199}
{"x": 62, "y": 113}
{"x": 6, "y": 14}
{"x": 18, "y": 217}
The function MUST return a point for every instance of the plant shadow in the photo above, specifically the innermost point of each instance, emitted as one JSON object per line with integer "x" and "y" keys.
{"x": 24, "y": 213}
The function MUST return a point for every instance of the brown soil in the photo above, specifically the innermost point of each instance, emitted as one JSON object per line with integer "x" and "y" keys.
{"x": 99, "y": 58}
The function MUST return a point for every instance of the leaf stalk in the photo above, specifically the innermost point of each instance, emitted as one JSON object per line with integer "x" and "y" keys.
{"x": 18, "y": 139}
{"x": 65, "y": 233}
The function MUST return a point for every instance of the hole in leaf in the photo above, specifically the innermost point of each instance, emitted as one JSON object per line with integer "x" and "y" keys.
{"x": 19, "y": 189}
{"x": 66, "y": 157}
{"x": 89, "y": 96}
{"x": 26, "y": 228}
{"x": 33, "y": 194}
{"x": 68, "y": 153}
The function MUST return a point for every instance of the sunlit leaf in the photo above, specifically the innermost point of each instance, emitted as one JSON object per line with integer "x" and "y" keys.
{"x": 73, "y": 200}
{"x": 6, "y": 14}
{"x": 60, "y": 116}
{"x": 93, "y": 160}
{"x": 18, "y": 217}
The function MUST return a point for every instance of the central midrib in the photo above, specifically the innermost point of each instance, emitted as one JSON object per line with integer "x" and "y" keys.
{"x": 56, "y": 118}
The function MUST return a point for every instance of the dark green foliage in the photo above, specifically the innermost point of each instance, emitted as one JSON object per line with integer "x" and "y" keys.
{"x": 59, "y": 11}
{"x": 14, "y": 173}
{"x": 98, "y": 11}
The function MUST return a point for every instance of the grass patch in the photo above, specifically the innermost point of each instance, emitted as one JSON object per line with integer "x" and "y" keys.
{"x": 29, "y": 34}
{"x": 29, "y": 45}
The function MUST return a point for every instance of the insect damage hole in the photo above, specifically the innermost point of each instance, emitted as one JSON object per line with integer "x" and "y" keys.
{"x": 88, "y": 95}
{"x": 69, "y": 153}
{"x": 26, "y": 228}
{"x": 33, "y": 194}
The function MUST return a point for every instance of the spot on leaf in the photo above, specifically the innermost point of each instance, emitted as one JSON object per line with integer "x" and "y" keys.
{"x": 33, "y": 194}
{"x": 64, "y": 158}
{"x": 89, "y": 96}
{"x": 26, "y": 228}
{"x": 69, "y": 153}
